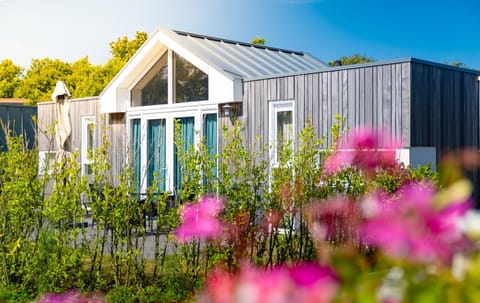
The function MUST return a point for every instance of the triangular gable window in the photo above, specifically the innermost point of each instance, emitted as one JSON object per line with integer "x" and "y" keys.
{"x": 190, "y": 84}
{"x": 153, "y": 88}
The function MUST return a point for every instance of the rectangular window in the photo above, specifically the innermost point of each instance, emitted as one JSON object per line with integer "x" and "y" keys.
{"x": 187, "y": 139}
{"x": 47, "y": 162}
{"x": 88, "y": 135}
{"x": 135, "y": 151}
{"x": 156, "y": 156}
{"x": 210, "y": 134}
{"x": 281, "y": 126}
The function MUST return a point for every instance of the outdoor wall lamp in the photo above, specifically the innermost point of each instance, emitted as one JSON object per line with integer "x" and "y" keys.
{"x": 228, "y": 110}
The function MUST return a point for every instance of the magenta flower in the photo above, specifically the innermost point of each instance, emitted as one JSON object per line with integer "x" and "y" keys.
{"x": 199, "y": 220}
{"x": 307, "y": 282}
{"x": 410, "y": 226}
{"x": 365, "y": 148}
{"x": 68, "y": 297}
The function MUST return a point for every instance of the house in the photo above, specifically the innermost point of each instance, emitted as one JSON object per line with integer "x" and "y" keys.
{"x": 18, "y": 118}
{"x": 200, "y": 81}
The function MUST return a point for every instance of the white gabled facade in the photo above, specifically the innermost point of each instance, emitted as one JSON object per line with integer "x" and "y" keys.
{"x": 116, "y": 97}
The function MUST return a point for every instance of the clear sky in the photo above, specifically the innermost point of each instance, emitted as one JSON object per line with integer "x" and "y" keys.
{"x": 436, "y": 30}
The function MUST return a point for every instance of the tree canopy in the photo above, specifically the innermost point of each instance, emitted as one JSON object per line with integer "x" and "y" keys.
{"x": 349, "y": 60}
{"x": 258, "y": 40}
{"x": 9, "y": 78}
{"x": 81, "y": 77}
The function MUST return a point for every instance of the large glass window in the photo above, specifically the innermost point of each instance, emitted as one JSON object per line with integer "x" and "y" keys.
{"x": 191, "y": 84}
{"x": 187, "y": 139}
{"x": 88, "y": 128}
{"x": 210, "y": 133}
{"x": 157, "y": 165}
{"x": 153, "y": 88}
{"x": 135, "y": 151}
{"x": 281, "y": 127}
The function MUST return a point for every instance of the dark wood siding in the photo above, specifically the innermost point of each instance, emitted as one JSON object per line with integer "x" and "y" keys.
{"x": 445, "y": 107}
{"x": 377, "y": 95}
{"x": 20, "y": 120}
{"x": 445, "y": 111}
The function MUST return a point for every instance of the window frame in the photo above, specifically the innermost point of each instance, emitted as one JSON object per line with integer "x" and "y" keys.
{"x": 169, "y": 116}
{"x": 87, "y": 122}
{"x": 274, "y": 108}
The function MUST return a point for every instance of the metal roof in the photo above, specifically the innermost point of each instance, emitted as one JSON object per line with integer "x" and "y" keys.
{"x": 245, "y": 60}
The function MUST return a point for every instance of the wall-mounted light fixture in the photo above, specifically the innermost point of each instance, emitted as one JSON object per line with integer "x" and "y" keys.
{"x": 228, "y": 110}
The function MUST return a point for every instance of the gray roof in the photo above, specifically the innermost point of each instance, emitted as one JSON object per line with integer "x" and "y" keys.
{"x": 245, "y": 60}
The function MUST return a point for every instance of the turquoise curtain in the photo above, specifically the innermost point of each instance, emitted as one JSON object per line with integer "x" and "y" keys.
{"x": 156, "y": 153}
{"x": 187, "y": 133}
{"x": 135, "y": 149}
{"x": 210, "y": 132}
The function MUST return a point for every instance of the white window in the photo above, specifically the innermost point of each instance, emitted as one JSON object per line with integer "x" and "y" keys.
{"x": 88, "y": 135}
{"x": 152, "y": 143}
{"x": 47, "y": 161}
{"x": 281, "y": 127}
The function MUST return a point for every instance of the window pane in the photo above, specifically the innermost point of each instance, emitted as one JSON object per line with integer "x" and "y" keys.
{"x": 187, "y": 139}
{"x": 156, "y": 154}
{"x": 210, "y": 132}
{"x": 284, "y": 129}
{"x": 153, "y": 88}
{"x": 135, "y": 151}
{"x": 90, "y": 127}
{"x": 191, "y": 84}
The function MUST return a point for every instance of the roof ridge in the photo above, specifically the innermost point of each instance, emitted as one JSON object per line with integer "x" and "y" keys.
{"x": 217, "y": 39}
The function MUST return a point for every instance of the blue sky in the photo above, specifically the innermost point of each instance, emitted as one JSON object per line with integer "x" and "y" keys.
{"x": 441, "y": 31}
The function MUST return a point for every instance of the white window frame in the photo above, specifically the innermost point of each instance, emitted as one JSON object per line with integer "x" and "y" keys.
{"x": 169, "y": 116}
{"x": 87, "y": 122}
{"x": 47, "y": 161}
{"x": 274, "y": 108}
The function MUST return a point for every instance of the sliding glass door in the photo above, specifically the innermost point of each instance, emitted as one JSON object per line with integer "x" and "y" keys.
{"x": 135, "y": 152}
{"x": 187, "y": 139}
{"x": 156, "y": 154}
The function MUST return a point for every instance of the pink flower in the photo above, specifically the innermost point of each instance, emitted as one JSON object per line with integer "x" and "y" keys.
{"x": 68, "y": 297}
{"x": 306, "y": 282}
{"x": 365, "y": 148}
{"x": 334, "y": 220}
{"x": 410, "y": 226}
{"x": 199, "y": 220}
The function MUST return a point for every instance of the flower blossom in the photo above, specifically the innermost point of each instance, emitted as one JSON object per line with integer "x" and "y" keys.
{"x": 366, "y": 148}
{"x": 199, "y": 220}
{"x": 68, "y": 297}
{"x": 411, "y": 226}
{"x": 306, "y": 282}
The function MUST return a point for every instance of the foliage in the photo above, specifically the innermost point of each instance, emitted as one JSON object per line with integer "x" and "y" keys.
{"x": 81, "y": 77}
{"x": 258, "y": 41}
{"x": 9, "y": 78}
{"x": 353, "y": 59}
{"x": 288, "y": 213}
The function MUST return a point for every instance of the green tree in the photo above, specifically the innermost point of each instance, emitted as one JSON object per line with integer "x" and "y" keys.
{"x": 41, "y": 77}
{"x": 9, "y": 78}
{"x": 86, "y": 79}
{"x": 458, "y": 64}
{"x": 348, "y": 60}
{"x": 258, "y": 40}
{"x": 122, "y": 50}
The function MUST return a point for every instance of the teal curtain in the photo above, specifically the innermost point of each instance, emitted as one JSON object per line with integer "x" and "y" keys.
{"x": 156, "y": 153}
{"x": 187, "y": 133}
{"x": 210, "y": 132}
{"x": 135, "y": 149}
